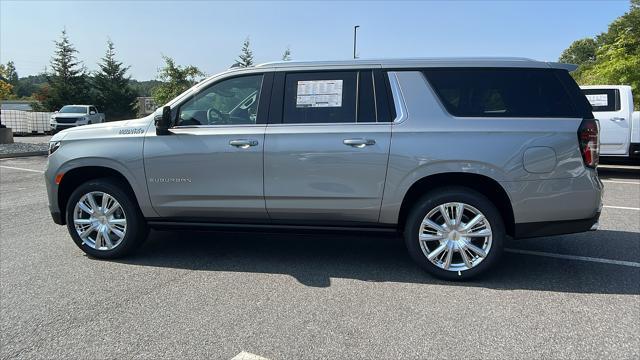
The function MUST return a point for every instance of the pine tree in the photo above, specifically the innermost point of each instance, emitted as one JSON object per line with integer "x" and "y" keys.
{"x": 12, "y": 75}
{"x": 114, "y": 95}
{"x": 175, "y": 79}
{"x": 245, "y": 59}
{"x": 286, "y": 56}
{"x": 68, "y": 79}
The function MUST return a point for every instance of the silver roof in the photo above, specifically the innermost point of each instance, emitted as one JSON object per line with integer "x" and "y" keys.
{"x": 416, "y": 62}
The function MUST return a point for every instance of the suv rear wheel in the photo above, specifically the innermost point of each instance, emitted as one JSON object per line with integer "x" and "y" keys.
{"x": 103, "y": 220}
{"x": 454, "y": 233}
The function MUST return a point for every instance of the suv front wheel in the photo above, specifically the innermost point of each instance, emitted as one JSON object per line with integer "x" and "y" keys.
{"x": 103, "y": 219}
{"x": 454, "y": 233}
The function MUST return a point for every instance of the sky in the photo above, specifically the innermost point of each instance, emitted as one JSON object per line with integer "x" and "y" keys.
{"x": 209, "y": 34}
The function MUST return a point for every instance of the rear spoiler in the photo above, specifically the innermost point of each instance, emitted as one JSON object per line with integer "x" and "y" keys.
{"x": 563, "y": 66}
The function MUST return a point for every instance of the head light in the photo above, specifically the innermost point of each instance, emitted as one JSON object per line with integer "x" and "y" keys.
{"x": 53, "y": 146}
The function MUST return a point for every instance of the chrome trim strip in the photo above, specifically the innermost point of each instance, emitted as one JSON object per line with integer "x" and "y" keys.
{"x": 398, "y": 99}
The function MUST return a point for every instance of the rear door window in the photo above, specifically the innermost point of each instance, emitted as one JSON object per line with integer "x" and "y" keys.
{"x": 330, "y": 97}
{"x": 496, "y": 92}
{"x": 603, "y": 99}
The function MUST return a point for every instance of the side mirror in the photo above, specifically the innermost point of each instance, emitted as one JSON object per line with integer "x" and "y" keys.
{"x": 163, "y": 122}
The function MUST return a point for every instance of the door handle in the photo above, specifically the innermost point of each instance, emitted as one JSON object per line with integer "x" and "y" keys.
{"x": 359, "y": 143}
{"x": 243, "y": 143}
{"x": 617, "y": 119}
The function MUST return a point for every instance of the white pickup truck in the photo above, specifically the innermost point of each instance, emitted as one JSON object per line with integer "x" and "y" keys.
{"x": 619, "y": 124}
{"x": 75, "y": 115}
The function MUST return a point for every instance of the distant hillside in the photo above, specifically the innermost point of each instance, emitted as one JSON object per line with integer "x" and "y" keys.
{"x": 143, "y": 88}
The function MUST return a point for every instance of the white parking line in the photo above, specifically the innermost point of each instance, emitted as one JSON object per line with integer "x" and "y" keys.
{"x": 243, "y": 355}
{"x": 621, "y": 182}
{"x": 574, "y": 257}
{"x": 23, "y": 169}
{"x": 622, "y": 207}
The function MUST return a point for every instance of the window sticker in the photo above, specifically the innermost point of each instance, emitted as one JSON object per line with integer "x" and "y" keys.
{"x": 319, "y": 93}
{"x": 598, "y": 99}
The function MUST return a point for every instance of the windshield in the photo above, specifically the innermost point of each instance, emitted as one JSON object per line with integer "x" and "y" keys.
{"x": 74, "y": 109}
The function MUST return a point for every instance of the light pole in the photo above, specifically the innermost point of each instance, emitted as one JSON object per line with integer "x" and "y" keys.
{"x": 355, "y": 40}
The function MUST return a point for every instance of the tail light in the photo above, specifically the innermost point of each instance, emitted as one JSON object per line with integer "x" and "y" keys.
{"x": 589, "y": 141}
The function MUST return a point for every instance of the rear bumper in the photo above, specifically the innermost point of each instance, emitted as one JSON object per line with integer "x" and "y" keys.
{"x": 549, "y": 228}
{"x": 634, "y": 151}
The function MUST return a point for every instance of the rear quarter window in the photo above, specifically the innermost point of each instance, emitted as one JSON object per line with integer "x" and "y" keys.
{"x": 498, "y": 92}
{"x": 603, "y": 99}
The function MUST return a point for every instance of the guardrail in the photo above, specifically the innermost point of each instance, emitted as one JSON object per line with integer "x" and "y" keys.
{"x": 26, "y": 122}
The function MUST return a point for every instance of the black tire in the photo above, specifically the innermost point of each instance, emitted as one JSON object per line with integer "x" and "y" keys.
{"x": 136, "y": 230}
{"x": 454, "y": 194}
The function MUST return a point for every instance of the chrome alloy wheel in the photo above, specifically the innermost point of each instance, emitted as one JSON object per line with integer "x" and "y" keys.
{"x": 101, "y": 227}
{"x": 455, "y": 236}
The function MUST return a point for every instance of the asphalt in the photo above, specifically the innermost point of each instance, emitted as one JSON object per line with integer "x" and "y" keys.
{"x": 283, "y": 296}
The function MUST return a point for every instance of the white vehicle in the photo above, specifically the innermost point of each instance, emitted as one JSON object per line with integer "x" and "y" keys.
{"x": 619, "y": 124}
{"x": 75, "y": 115}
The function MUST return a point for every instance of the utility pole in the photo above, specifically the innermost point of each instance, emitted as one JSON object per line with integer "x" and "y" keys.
{"x": 355, "y": 40}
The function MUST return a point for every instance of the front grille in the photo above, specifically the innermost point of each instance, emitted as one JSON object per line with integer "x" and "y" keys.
{"x": 65, "y": 120}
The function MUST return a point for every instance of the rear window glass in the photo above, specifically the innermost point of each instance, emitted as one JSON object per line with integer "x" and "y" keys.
{"x": 603, "y": 99}
{"x": 480, "y": 92}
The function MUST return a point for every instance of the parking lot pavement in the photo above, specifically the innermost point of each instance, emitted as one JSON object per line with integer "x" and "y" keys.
{"x": 225, "y": 295}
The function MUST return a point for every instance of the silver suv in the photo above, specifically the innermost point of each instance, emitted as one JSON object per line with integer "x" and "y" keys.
{"x": 455, "y": 154}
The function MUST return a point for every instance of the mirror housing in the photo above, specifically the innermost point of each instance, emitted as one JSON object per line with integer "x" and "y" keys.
{"x": 163, "y": 122}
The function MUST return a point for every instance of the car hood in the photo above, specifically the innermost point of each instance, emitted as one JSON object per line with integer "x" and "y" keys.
{"x": 105, "y": 130}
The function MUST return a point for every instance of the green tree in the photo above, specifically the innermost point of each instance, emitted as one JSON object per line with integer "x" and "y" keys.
{"x": 617, "y": 54}
{"x": 115, "y": 97}
{"x": 68, "y": 78}
{"x": 580, "y": 52}
{"x": 175, "y": 80}
{"x": 245, "y": 59}
{"x": 11, "y": 74}
{"x": 286, "y": 56}
{"x": 6, "y": 89}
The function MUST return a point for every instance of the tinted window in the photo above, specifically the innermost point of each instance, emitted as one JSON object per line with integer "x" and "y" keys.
{"x": 228, "y": 102}
{"x": 73, "y": 109}
{"x": 322, "y": 97}
{"x": 511, "y": 92}
{"x": 603, "y": 99}
{"x": 366, "y": 98}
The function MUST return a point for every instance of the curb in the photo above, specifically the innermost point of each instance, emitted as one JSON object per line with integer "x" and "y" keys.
{"x": 25, "y": 154}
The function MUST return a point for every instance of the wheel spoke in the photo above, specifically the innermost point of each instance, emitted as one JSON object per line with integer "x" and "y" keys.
{"x": 448, "y": 257}
{"x": 435, "y": 253}
{"x": 107, "y": 239}
{"x": 105, "y": 202}
{"x": 98, "y": 239}
{"x": 476, "y": 249}
{"x": 479, "y": 233}
{"x": 83, "y": 235}
{"x": 430, "y": 237}
{"x": 117, "y": 232}
{"x": 459, "y": 212}
{"x": 445, "y": 215}
{"x": 432, "y": 225}
{"x": 118, "y": 221}
{"x": 92, "y": 202}
{"x": 82, "y": 221}
{"x": 468, "y": 226}
{"x": 85, "y": 208}
{"x": 465, "y": 257}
